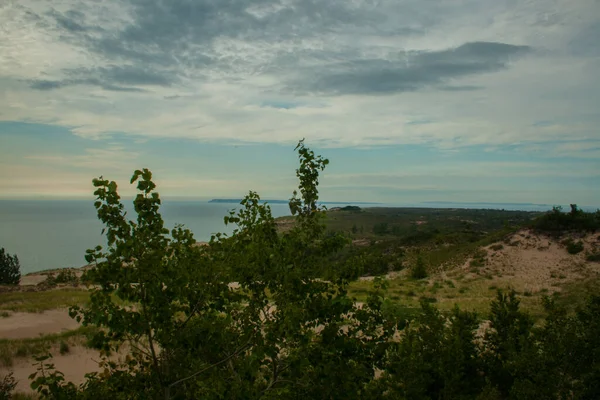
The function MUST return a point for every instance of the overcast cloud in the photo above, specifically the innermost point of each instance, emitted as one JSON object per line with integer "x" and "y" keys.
{"x": 446, "y": 74}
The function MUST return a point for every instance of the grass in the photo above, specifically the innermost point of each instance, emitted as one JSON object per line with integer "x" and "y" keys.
{"x": 24, "y": 396}
{"x": 575, "y": 294}
{"x": 473, "y": 294}
{"x": 42, "y": 301}
{"x": 22, "y": 348}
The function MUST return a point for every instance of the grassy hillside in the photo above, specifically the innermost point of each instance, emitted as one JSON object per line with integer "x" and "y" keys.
{"x": 469, "y": 254}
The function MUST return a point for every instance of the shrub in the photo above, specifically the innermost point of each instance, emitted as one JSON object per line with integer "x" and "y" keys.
{"x": 7, "y": 385}
{"x": 10, "y": 273}
{"x": 575, "y": 247}
{"x": 64, "y": 347}
{"x": 381, "y": 228}
{"x": 428, "y": 299}
{"x": 419, "y": 271}
{"x": 557, "y": 222}
{"x": 66, "y": 276}
{"x": 593, "y": 257}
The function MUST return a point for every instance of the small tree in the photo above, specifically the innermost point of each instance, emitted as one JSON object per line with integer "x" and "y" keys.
{"x": 419, "y": 271}
{"x": 285, "y": 333}
{"x": 10, "y": 273}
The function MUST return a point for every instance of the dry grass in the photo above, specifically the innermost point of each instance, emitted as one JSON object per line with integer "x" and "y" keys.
{"x": 42, "y": 300}
{"x": 24, "y": 396}
{"x": 59, "y": 342}
{"x": 533, "y": 266}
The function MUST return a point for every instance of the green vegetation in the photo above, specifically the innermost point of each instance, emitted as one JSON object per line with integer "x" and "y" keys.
{"x": 42, "y": 300}
{"x": 10, "y": 269}
{"x": 351, "y": 208}
{"x": 63, "y": 277}
{"x": 64, "y": 347}
{"x": 296, "y": 328}
{"x": 439, "y": 356}
{"x": 24, "y": 396}
{"x": 593, "y": 257}
{"x": 391, "y": 236}
{"x": 557, "y": 223}
{"x": 23, "y": 348}
{"x": 7, "y": 385}
{"x": 574, "y": 247}
{"x": 419, "y": 271}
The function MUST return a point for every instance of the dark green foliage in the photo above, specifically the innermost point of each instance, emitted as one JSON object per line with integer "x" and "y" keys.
{"x": 376, "y": 259}
{"x": 419, "y": 270}
{"x": 434, "y": 360}
{"x": 286, "y": 333}
{"x": 557, "y": 222}
{"x": 414, "y": 238}
{"x": 439, "y": 358}
{"x": 575, "y": 247}
{"x": 7, "y": 385}
{"x": 381, "y": 228}
{"x": 427, "y": 299}
{"x": 10, "y": 269}
{"x": 593, "y": 257}
{"x": 65, "y": 276}
{"x": 64, "y": 347}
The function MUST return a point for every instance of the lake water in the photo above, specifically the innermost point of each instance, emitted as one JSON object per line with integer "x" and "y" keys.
{"x": 54, "y": 234}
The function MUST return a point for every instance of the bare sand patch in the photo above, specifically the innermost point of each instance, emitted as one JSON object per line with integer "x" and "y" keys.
{"x": 532, "y": 262}
{"x": 75, "y": 364}
{"x": 20, "y": 325}
{"x": 33, "y": 279}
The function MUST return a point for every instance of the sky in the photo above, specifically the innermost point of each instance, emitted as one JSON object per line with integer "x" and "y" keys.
{"x": 410, "y": 100}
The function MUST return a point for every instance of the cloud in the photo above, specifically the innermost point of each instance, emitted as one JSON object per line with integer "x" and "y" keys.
{"x": 252, "y": 71}
{"x": 412, "y": 72}
{"x": 108, "y": 78}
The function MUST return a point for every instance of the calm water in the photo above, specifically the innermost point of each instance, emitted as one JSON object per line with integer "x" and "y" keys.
{"x": 54, "y": 234}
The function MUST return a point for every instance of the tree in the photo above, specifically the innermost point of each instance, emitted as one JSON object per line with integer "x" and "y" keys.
{"x": 285, "y": 333}
{"x": 419, "y": 270}
{"x": 10, "y": 273}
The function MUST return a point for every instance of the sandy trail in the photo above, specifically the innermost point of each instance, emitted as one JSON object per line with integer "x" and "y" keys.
{"x": 27, "y": 325}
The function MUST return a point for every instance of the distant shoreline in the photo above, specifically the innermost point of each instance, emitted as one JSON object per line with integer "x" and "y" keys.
{"x": 237, "y": 201}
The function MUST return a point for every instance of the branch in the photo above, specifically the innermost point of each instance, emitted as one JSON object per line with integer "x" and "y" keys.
{"x": 244, "y": 347}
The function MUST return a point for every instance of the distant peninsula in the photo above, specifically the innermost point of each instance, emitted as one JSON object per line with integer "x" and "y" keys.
{"x": 237, "y": 201}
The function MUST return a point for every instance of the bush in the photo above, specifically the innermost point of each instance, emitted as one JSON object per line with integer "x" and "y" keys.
{"x": 381, "y": 228}
{"x": 10, "y": 273}
{"x": 593, "y": 257}
{"x": 419, "y": 271}
{"x": 7, "y": 385}
{"x": 66, "y": 276}
{"x": 574, "y": 247}
{"x": 556, "y": 222}
{"x": 64, "y": 347}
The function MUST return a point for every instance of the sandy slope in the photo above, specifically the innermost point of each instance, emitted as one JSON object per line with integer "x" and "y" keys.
{"x": 75, "y": 364}
{"x": 535, "y": 262}
{"x": 26, "y": 325}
